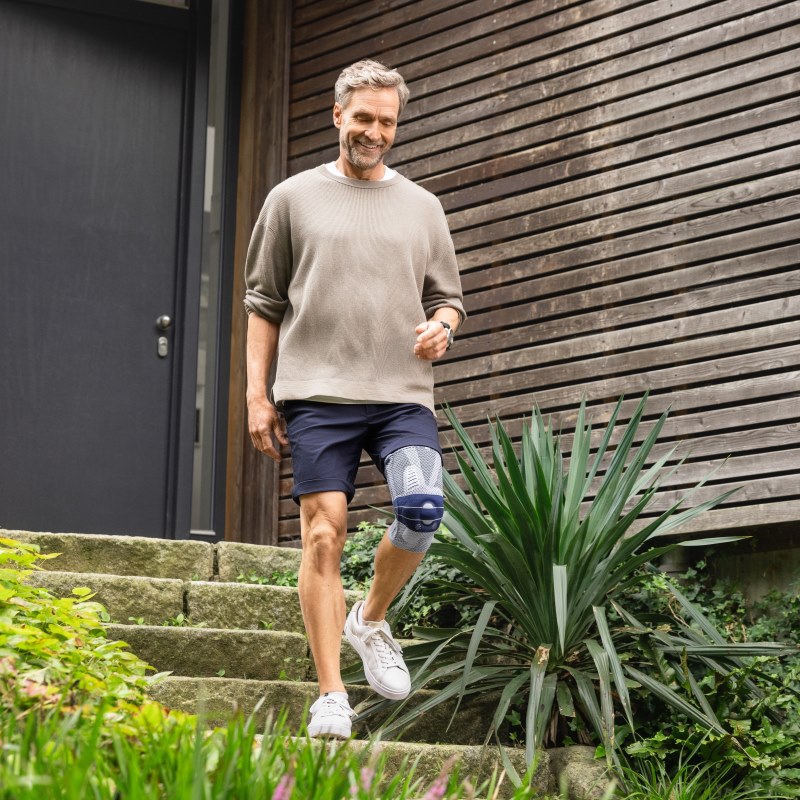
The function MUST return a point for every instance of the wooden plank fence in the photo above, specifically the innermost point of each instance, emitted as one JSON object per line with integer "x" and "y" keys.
{"x": 621, "y": 181}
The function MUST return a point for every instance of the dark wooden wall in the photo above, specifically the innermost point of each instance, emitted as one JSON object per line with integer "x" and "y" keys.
{"x": 251, "y": 505}
{"x": 621, "y": 182}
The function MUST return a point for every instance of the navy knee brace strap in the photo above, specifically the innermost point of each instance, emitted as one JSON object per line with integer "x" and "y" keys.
{"x": 414, "y": 475}
{"x": 421, "y": 513}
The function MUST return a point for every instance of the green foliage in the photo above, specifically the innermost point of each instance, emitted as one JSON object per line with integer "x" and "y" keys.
{"x": 690, "y": 779}
{"x": 275, "y": 578}
{"x": 75, "y": 722}
{"x": 358, "y": 555}
{"x": 357, "y": 561}
{"x": 180, "y": 620}
{"x": 758, "y": 700}
{"x": 422, "y": 605}
{"x": 548, "y": 549}
{"x": 54, "y": 651}
{"x": 159, "y": 756}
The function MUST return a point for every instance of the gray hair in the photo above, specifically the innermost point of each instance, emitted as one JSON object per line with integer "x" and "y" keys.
{"x": 368, "y": 73}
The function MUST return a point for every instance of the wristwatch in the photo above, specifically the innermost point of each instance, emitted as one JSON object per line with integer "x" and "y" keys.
{"x": 446, "y": 326}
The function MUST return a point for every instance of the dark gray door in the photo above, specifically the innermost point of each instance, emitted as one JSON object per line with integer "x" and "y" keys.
{"x": 93, "y": 159}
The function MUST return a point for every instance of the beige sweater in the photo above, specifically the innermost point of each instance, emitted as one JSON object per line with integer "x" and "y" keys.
{"x": 349, "y": 268}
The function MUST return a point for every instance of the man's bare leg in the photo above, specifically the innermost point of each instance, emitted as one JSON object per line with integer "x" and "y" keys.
{"x": 393, "y": 568}
{"x": 323, "y": 528}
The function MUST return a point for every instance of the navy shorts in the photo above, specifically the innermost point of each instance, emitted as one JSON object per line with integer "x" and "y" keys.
{"x": 326, "y": 440}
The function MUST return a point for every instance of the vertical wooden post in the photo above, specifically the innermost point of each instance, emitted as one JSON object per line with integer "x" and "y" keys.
{"x": 252, "y": 480}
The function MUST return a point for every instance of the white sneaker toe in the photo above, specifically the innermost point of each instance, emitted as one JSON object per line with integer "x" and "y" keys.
{"x": 331, "y": 717}
{"x": 382, "y": 657}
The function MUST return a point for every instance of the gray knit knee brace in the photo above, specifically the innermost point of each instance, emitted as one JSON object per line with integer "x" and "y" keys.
{"x": 414, "y": 475}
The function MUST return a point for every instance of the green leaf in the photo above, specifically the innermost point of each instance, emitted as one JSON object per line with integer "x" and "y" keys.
{"x": 536, "y": 702}
{"x": 560, "y": 602}
{"x": 675, "y": 700}
{"x": 616, "y": 665}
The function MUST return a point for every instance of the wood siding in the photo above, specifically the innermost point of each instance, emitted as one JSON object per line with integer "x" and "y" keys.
{"x": 620, "y": 179}
{"x": 251, "y": 507}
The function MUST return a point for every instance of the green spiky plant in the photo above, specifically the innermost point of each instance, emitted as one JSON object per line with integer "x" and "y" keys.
{"x": 547, "y": 548}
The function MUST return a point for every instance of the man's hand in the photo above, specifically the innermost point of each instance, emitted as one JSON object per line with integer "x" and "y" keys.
{"x": 431, "y": 340}
{"x": 264, "y": 422}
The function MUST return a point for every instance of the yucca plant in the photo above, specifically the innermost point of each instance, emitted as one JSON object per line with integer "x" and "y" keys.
{"x": 546, "y": 548}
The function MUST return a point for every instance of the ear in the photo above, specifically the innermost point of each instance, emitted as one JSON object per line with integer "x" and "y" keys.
{"x": 337, "y": 115}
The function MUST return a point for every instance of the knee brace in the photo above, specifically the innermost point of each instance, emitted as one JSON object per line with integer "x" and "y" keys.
{"x": 414, "y": 475}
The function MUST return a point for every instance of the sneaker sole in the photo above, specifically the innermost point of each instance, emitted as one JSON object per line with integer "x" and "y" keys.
{"x": 329, "y": 732}
{"x": 389, "y": 694}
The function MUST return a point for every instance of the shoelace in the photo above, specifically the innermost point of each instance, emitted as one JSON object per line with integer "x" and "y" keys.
{"x": 385, "y": 648}
{"x": 331, "y": 706}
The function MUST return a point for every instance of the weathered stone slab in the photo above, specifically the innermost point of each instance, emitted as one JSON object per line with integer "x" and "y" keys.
{"x": 248, "y": 606}
{"x": 585, "y": 777}
{"x": 154, "y": 600}
{"x": 218, "y": 698}
{"x": 235, "y": 559}
{"x": 475, "y": 762}
{"x": 206, "y": 652}
{"x": 122, "y": 555}
{"x": 245, "y": 606}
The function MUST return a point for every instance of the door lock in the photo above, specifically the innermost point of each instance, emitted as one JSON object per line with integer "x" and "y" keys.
{"x": 163, "y": 323}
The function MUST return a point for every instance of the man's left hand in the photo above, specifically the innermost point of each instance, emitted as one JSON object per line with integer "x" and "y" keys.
{"x": 431, "y": 340}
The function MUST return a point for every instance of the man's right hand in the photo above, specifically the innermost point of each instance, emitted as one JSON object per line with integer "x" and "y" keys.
{"x": 264, "y": 422}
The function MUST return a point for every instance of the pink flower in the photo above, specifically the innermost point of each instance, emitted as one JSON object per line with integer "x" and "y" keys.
{"x": 436, "y": 792}
{"x": 365, "y": 784}
{"x": 439, "y": 786}
{"x": 283, "y": 791}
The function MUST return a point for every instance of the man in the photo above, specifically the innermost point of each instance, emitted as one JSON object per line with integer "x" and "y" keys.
{"x": 351, "y": 269}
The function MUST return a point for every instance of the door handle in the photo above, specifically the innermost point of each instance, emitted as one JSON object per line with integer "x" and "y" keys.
{"x": 163, "y": 323}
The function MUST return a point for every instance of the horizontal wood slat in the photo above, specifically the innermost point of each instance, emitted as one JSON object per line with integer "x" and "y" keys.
{"x": 621, "y": 182}
{"x": 552, "y": 79}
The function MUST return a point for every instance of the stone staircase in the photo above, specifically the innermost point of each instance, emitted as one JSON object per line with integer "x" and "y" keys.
{"x": 231, "y": 646}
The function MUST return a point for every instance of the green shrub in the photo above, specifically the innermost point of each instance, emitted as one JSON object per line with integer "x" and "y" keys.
{"x": 550, "y": 548}
{"x": 158, "y": 756}
{"x": 54, "y": 651}
{"x": 758, "y": 700}
{"x": 75, "y": 722}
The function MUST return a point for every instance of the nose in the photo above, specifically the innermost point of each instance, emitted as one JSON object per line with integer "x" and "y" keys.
{"x": 372, "y": 132}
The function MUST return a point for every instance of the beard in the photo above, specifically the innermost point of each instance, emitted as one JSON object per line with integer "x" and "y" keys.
{"x": 362, "y": 159}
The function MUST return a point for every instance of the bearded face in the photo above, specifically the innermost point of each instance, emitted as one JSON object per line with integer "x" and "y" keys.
{"x": 367, "y": 127}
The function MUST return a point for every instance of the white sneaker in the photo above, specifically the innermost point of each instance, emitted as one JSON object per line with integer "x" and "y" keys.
{"x": 384, "y": 667}
{"x": 331, "y": 716}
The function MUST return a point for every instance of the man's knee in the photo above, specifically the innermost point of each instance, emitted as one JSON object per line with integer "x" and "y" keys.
{"x": 414, "y": 475}
{"x": 324, "y": 525}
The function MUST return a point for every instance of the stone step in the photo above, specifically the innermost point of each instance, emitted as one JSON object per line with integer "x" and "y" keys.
{"x": 235, "y": 559}
{"x": 208, "y": 652}
{"x": 158, "y": 558}
{"x": 218, "y": 699}
{"x": 155, "y": 601}
{"x": 248, "y": 606}
{"x": 122, "y": 555}
{"x": 157, "y": 580}
{"x": 573, "y": 769}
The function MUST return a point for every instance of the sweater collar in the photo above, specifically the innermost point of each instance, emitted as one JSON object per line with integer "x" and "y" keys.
{"x": 395, "y": 179}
